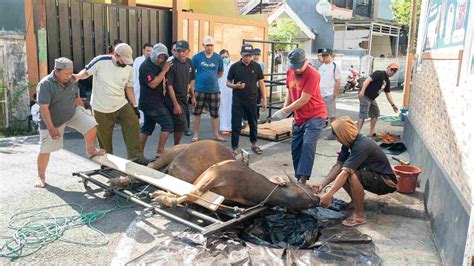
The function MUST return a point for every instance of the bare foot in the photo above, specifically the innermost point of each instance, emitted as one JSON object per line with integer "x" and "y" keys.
{"x": 95, "y": 152}
{"x": 41, "y": 183}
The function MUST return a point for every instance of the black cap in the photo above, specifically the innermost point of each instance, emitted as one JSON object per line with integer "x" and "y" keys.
{"x": 182, "y": 45}
{"x": 326, "y": 51}
{"x": 257, "y": 51}
{"x": 297, "y": 57}
{"x": 247, "y": 49}
{"x": 320, "y": 51}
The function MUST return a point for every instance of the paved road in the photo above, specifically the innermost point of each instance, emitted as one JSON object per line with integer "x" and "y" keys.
{"x": 128, "y": 234}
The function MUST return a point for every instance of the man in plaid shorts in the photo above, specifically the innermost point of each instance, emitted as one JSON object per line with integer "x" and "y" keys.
{"x": 209, "y": 68}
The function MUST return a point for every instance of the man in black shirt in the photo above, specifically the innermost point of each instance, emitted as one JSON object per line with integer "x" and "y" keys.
{"x": 361, "y": 164}
{"x": 180, "y": 81}
{"x": 372, "y": 87}
{"x": 242, "y": 79}
{"x": 151, "y": 76}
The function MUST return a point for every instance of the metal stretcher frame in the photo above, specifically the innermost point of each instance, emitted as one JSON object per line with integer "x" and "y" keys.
{"x": 214, "y": 226}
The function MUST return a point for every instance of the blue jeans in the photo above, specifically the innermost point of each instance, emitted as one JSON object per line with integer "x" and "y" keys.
{"x": 303, "y": 145}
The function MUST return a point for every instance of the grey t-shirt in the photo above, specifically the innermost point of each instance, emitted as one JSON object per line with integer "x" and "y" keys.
{"x": 366, "y": 154}
{"x": 61, "y": 100}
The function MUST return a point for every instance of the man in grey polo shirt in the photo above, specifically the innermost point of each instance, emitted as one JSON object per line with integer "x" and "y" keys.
{"x": 60, "y": 106}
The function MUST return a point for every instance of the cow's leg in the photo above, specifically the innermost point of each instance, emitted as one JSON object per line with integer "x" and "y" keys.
{"x": 167, "y": 156}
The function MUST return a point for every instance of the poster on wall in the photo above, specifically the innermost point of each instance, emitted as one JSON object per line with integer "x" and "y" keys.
{"x": 446, "y": 24}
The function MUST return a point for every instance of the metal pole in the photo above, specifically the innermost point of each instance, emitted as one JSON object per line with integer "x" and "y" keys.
{"x": 271, "y": 83}
{"x": 410, "y": 54}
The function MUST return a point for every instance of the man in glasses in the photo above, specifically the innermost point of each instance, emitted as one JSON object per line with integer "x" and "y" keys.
{"x": 372, "y": 87}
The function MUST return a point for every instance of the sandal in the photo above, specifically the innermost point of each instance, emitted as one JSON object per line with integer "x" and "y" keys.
{"x": 349, "y": 222}
{"x": 195, "y": 139}
{"x": 257, "y": 150}
{"x": 220, "y": 139}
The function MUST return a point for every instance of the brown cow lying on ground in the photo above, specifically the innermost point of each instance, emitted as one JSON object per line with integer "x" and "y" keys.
{"x": 210, "y": 166}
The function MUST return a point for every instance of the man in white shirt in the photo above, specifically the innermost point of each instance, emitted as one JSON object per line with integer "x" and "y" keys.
{"x": 146, "y": 51}
{"x": 113, "y": 78}
{"x": 329, "y": 84}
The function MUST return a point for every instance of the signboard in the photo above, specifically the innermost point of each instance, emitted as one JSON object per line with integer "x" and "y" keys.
{"x": 446, "y": 24}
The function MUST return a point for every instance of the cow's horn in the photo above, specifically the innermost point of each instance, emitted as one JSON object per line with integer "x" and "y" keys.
{"x": 291, "y": 178}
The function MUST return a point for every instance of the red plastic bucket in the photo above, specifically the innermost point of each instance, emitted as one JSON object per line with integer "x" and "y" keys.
{"x": 407, "y": 176}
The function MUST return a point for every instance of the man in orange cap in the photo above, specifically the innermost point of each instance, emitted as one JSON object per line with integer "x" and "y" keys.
{"x": 372, "y": 87}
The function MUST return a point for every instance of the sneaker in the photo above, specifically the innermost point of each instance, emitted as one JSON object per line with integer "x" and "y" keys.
{"x": 188, "y": 132}
{"x": 330, "y": 137}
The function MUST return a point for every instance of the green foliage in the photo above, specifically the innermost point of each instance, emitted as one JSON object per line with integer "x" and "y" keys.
{"x": 283, "y": 30}
{"x": 402, "y": 10}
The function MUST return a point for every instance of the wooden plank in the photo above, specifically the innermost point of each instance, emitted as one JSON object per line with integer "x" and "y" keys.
{"x": 153, "y": 26}
{"x": 158, "y": 179}
{"x": 139, "y": 27}
{"x": 113, "y": 30}
{"x": 64, "y": 29}
{"x": 161, "y": 26}
{"x": 271, "y": 131}
{"x": 88, "y": 37}
{"x": 132, "y": 32}
{"x": 77, "y": 52}
{"x": 123, "y": 25}
{"x": 52, "y": 27}
{"x": 30, "y": 43}
{"x": 145, "y": 26}
{"x": 99, "y": 29}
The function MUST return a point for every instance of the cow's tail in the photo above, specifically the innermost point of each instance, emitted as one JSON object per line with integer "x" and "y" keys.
{"x": 167, "y": 157}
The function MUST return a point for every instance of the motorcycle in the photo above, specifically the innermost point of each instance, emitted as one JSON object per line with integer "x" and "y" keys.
{"x": 351, "y": 82}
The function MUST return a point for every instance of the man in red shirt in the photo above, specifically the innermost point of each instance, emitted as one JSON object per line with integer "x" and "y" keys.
{"x": 305, "y": 100}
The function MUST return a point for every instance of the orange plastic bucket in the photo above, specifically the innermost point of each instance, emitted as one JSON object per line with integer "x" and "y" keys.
{"x": 407, "y": 176}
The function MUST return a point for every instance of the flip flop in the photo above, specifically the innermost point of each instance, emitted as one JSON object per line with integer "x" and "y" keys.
{"x": 349, "y": 222}
{"x": 257, "y": 150}
{"x": 195, "y": 139}
{"x": 220, "y": 139}
{"x": 99, "y": 152}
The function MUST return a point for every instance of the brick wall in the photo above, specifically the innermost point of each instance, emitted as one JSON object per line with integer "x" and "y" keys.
{"x": 442, "y": 114}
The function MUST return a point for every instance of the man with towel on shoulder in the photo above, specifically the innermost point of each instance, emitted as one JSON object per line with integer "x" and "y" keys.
{"x": 361, "y": 165}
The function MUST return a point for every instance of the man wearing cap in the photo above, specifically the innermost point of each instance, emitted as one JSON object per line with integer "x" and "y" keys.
{"x": 60, "y": 106}
{"x": 305, "y": 100}
{"x": 361, "y": 165}
{"x": 113, "y": 78}
{"x": 242, "y": 79}
{"x": 209, "y": 68}
{"x": 180, "y": 82}
{"x": 152, "y": 74}
{"x": 329, "y": 84}
{"x": 371, "y": 88}
{"x": 146, "y": 51}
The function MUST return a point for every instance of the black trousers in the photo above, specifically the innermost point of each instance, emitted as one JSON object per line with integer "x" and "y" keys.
{"x": 239, "y": 110}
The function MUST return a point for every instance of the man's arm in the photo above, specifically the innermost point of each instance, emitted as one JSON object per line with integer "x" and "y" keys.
{"x": 390, "y": 100}
{"x": 220, "y": 74}
{"x": 158, "y": 79}
{"x": 81, "y": 75}
{"x": 333, "y": 173}
{"x": 177, "y": 108}
{"x": 364, "y": 86}
{"x": 304, "y": 99}
{"x": 336, "y": 88}
{"x": 238, "y": 86}
{"x": 287, "y": 99}
{"x": 46, "y": 117}
{"x": 131, "y": 96}
{"x": 261, "y": 86}
{"x": 79, "y": 102}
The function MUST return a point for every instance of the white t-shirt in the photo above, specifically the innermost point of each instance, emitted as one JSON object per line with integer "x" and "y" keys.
{"x": 108, "y": 86}
{"x": 328, "y": 78}
{"x": 136, "y": 74}
{"x": 35, "y": 113}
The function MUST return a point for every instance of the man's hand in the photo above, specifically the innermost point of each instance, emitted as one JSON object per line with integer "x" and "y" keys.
{"x": 325, "y": 200}
{"x": 193, "y": 102}
{"x": 167, "y": 66}
{"x": 177, "y": 109}
{"x": 279, "y": 115}
{"x": 318, "y": 187}
{"x": 264, "y": 103}
{"x": 54, "y": 133}
{"x": 240, "y": 85}
{"x": 395, "y": 108}
{"x": 135, "y": 109}
{"x": 75, "y": 78}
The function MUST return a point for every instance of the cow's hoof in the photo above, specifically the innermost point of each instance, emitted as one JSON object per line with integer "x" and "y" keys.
{"x": 165, "y": 198}
{"x": 119, "y": 182}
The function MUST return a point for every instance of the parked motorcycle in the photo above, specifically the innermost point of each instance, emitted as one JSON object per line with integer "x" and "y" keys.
{"x": 351, "y": 81}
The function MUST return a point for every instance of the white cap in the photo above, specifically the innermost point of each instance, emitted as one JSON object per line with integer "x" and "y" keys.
{"x": 208, "y": 40}
{"x": 125, "y": 52}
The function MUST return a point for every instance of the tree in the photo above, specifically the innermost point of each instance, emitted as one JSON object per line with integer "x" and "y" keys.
{"x": 283, "y": 30}
{"x": 402, "y": 10}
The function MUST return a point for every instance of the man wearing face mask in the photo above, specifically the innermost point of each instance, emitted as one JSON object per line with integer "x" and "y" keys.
{"x": 305, "y": 100}
{"x": 113, "y": 78}
{"x": 151, "y": 75}
{"x": 225, "y": 109}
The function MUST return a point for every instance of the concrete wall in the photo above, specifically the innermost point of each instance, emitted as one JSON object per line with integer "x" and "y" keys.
{"x": 306, "y": 11}
{"x": 381, "y": 45}
{"x": 440, "y": 142}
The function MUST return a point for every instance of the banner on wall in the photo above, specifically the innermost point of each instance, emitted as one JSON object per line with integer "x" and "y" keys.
{"x": 446, "y": 24}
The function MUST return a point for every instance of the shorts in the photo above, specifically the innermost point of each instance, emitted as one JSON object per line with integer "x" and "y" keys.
{"x": 330, "y": 106}
{"x": 375, "y": 183}
{"x": 368, "y": 108}
{"x": 180, "y": 122}
{"x": 160, "y": 116}
{"x": 82, "y": 121}
{"x": 213, "y": 100}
